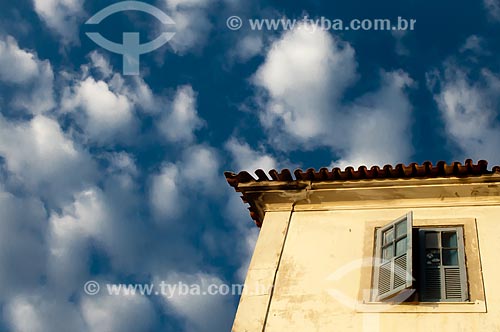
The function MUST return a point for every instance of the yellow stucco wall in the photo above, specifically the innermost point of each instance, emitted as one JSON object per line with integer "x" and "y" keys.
{"x": 314, "y": 260}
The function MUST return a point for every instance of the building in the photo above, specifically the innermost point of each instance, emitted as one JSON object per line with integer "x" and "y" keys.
{"x": 410, "y": 248}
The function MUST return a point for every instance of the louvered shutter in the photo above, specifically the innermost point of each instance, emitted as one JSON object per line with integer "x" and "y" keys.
{"x": 443, "y": 265}
{"x": 393, "y": 264}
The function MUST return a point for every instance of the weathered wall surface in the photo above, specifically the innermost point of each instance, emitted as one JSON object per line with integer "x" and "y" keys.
{"x": 320, "y": 281}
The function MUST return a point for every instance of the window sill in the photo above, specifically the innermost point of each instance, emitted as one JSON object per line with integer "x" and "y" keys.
{"x": 422, "y": 307}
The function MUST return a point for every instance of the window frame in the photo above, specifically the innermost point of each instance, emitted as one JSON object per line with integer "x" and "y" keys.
{"x": 425, "y": 217}
{"x": 404, "y": 291}
{"x": 462, "y": 264}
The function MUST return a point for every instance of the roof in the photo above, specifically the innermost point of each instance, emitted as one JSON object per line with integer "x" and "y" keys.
{"x": 400, "y": 171}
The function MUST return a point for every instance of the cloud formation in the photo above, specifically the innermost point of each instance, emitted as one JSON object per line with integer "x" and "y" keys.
{"x": 493, "y": 9}
{"x": 47, "y": 155}
{"x": 246, "y": 159}
{"x": 108, "y": 115}
{"x": 302, "y": 78}
{"x": 468, "y": 107}
{"x": 198, "y": 310}
{"x": 62, "y": 17}
{"x": 32, "y": 78}
{"x": 181, "y": 120}
{"x": 192, "y": 24}
{"x": 300, "y": 89}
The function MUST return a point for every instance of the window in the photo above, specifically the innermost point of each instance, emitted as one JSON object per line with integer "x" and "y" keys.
{"x": 442, "y": 265}
{"x": 421, "y": 264}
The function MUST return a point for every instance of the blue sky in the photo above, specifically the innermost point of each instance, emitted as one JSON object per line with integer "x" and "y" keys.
{"x": 119, "y": 179}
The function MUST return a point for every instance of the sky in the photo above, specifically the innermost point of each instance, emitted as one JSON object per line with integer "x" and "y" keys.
{"x": 118, "y": 179}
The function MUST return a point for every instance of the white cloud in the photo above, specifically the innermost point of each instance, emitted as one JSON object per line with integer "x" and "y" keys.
{"x": 469, "y": 110}
{"x": 68, "y": 236}
{"x": 108, "y": 219}
{"x": 302, "y": 83}
{"x": 92, "y": 215}
{"x": 248, "y": 246}
{"x": 39, "y": 95}
{"x": 381, "y": 123}
{"x": 200, "y": 169}
{"x": 247, "y": 47}
{"x": 197, "y": 171}
{"x": 16, "y": 65}
{"x": 246, "y": 159}
{"x": 32, "y": 77}
{"x": 118, "y": 313}
{"x": 101, "y": 63}
{"x": 133, "y": 88}
{"x": 108, "y": 115}
{"x": 40, "y": 155}
{"x": 474, "y": 44}
{"x": 43, "y": 313}
{"x": 141, "y": 95}
{"x": 165, "y": 197}
{"x": 123, "y": 162}
{"x": 104, "y": 105}
{"x": 192, "y": 24}
{"x": 136, "y": 90}
{"x": 303, "y": 76}
{"x": 62, "y": 17}
{"x": 493, "y": 9}
{"x": 176, "y": 4}
{"x": 246, "y": 232}
{"x": 22, "y": 248}
{"x": 199, "y": 311}
{"x": 182, "y": 120}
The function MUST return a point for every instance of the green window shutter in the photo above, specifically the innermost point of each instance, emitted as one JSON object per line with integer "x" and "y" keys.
{"x": 443, "y": 270}
{"x": 393, "y": 258}
{"x": 452, "y": 284}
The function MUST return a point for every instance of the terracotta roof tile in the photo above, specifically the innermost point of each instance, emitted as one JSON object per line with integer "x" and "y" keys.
{"x": 400, "y": 171}
{"x": 413, "y": 170}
